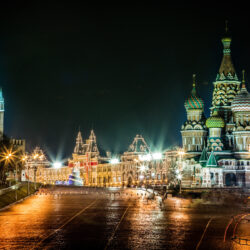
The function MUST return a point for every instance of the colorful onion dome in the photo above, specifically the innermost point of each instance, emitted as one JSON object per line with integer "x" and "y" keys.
{"x": 194, "y": 101}
{"x": 215, "y": 121}
{"x": 241, "y": 101}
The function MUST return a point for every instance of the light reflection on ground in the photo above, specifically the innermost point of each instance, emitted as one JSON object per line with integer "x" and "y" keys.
{"x": 121, "y": 220}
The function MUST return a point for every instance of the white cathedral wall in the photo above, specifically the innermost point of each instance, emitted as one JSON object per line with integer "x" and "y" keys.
{"x": 241, "y": 140}
{"x": 194, "y": 115}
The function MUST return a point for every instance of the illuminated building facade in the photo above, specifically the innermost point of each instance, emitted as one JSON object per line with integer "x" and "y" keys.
{"x": 137, "y": 166}
{"x": 218, "y": 148}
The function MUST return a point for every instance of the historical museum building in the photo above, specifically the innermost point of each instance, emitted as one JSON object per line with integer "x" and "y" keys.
{"x": 137, "y": 166}
{"x": 218, "y": 147}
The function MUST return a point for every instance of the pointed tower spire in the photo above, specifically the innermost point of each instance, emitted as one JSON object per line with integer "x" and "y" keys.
{"x": 226, "y": 27}
{"x": 227, "y": 70}
{"x": 243, "y": 80}
{"x": 204, "y": 157}
{"x": 139, "y": 145}
{"x": 79, "y": 144}
{"x": 194, "y": 84}
{"x": 92, "y": 145}
{"x": 212, "y": 163}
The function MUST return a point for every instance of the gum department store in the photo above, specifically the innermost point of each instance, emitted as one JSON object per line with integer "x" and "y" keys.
{"x": 215, "y": 152}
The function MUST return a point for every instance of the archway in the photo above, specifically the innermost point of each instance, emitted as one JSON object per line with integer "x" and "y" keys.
{"x": 230, "y": 179}
{"x": 129, "y": 181}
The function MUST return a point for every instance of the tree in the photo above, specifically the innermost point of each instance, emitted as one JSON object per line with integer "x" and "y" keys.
{"x": 9, "y": 159}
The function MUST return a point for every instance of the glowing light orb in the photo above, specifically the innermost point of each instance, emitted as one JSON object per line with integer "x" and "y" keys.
{"x": 141, "y": 177}
{"x": 142, "y": 168}
{"x": 179, "y": 176}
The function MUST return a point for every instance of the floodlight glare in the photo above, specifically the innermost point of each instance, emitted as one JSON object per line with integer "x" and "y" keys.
{"x": 157, "y": 156}
{"x": 57, "y": 164}
{"x": 114, "y": 161}
{"x": 146, "y": 157}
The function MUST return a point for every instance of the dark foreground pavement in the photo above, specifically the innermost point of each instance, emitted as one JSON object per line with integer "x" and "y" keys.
{"x": 80, "y": 218}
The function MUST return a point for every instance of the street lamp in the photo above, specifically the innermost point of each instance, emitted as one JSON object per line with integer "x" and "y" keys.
{"x": 9, "y": 155}
{"x": 37, "y": 157}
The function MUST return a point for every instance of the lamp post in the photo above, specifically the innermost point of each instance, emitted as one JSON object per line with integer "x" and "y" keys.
{"x": 24, "y": 159}
{"x": 8, "y": 157}
{"x": 38, "y": 157}
{"x": 33, "y": 161}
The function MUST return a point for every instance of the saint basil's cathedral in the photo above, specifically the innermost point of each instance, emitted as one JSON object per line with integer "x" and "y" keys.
{"x": 218, "y": 148}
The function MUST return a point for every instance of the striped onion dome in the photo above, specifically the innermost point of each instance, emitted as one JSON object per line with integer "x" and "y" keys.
{"x": 215, "y": 121}
{"x": 194, "y": 101}
{"x": 241, "y": 102}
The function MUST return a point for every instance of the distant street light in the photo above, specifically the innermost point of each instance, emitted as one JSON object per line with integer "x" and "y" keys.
{"x": 181, "y": 152}
{"x": 142, "y": 168}
{"x": 141, "y": 177}
{"x": 9, "y": 155}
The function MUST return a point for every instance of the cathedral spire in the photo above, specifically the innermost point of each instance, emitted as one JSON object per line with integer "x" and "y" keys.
{"x": 79, "y": 143}
{"x": 227, "y": 70}
{"x": 194, "y": 85}
{"x": 243, "y": 80}
{"x": 92, "y": 144}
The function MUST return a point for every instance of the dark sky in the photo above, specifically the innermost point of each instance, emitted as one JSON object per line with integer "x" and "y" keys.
{"x": 122, "y": 70}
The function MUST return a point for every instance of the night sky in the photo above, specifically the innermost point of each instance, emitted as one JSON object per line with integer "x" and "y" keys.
{"x": 121, "y": 70}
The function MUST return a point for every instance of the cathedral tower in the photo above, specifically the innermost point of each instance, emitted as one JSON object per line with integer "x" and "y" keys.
{"x": 226, "y": 85}
{"x": 215, "y": 124}
{"x": 194, "y": 130}
{"x": 241, "y": 116}
{"x": 1, "y": 114}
